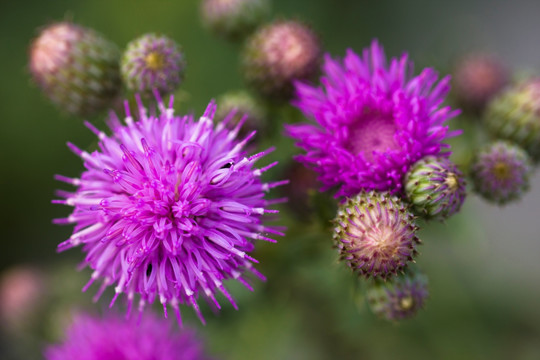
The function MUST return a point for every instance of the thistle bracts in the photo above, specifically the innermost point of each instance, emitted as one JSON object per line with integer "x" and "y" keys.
{"x": 153, "y": 62}
{"x": 233, "y": 19}
{"x": 400, "y": 297}
{"x": 278, "y": 54}
{"x": 435, "y": 188}
{"x": 375, "y": 234}
{"x": 515, "y": 116}
{"x": 500, "y": 172}
{"x": 76, "y": 68}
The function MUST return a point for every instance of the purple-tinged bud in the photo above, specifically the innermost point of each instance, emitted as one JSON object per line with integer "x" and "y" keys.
{"x": 278, "y": 54}
{"x": 400, "y": 297}
{"x": 76, "y": 68}
{"x": 478, "y": 78}
{"x": 153, "y": 62}
{"x": 515, "y": 116}
{"x": 240, "y": 104}
{"x": 435, "y": 188}
{"x": 21, "y": 292}
{"x": 233, "y": 19}
{"x": 500, "y": 172}
{"x": 375, "y": 234}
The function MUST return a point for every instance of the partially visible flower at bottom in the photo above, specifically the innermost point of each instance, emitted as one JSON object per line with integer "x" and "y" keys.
{"x": 168, "y": 208}
{"x": 400, "y": 298}
{"x": 112, "y": 337}
{"x": 501, "y": 172}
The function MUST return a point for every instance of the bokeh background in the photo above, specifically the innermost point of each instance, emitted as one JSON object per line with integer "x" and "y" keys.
{"x": 483, "y": 264}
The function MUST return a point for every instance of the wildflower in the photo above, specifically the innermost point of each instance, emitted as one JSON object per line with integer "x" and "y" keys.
{"x": 375, "y": 234}
{"x": 399, "y": 298}
{"x": 76, "y": 68}
{"x": 112, "y": 337}
{"x": 435, "y": 188}
{"x": 168, "y": 208}
{"x": 153, "y": 62}
{"x": 373, "y": 121}
{"x": 244, "y": 105}
{"x": 278, "y": 54}
{"x": 501, "y": 172}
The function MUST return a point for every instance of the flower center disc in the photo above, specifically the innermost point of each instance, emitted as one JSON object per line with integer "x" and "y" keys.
{"x": 372, "y": 133}
{"x": 154, "y": 61}
{"x": 501, "y": 171}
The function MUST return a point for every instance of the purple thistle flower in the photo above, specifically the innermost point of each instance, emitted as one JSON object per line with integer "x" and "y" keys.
{"x": 373, "y": 121}
{"x": 501, "y": 172}
{"x": 168, "y": 207}
{"x": 153, "y": 62}
{"x": 113, "y": 337}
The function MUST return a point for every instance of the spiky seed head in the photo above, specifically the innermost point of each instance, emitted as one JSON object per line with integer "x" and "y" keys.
{"x": 278, "y": 54}
{"x": 153, "y": 62}
{"x": 501, "y": 172}
{"x": 76, "y": 68}
{"x": 238, "y": 105}
{"x": 435, "y": 188}
{"x": 375, "y": 234}
{"x": 515, "y": 116}
{"x": 233, "y": 19}
{"x": 400, "y": 297}
{"x": 478, "y": 78}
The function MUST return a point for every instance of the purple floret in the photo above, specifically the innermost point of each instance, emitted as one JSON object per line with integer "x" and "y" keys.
{"x": 113, "y": 338}
{"x": 168, "y": 208}
{"x": 373, "y": 121}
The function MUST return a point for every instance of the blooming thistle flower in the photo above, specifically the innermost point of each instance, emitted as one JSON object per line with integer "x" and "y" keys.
{"x": 233, "y": 19}
{"x": 112, "y": 337}
{"x": 501, "y": 172}
{"x": 435, "y": 188}
{"x": 515, "y": 116}
{"x": 76, "y": 68}
{"x": 375, "y": 234}
{"x": 399, "y": 298}
{"x": 373, "y": 121}
{"x": 244, "y": 105}
{"x": 168, "y": 207}
{"x": 278, "y": 54}
{"x": 478, "y": 78}
{"x": 153, "y": 62}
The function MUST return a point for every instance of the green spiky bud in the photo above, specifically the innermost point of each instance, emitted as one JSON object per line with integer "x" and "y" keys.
{"x": 233, "y": 19}
{"x": 278, "y": 54}
{"x": 375, "y": 234}
{"x": 400, "y": 297}
{"x": 240, "y": 104}
{"x": 76, "y": 68}
{"x": 515, "y": 116}
{"x": 500, "y": 172}
{"x": 435, "y": 188}
{"x": 153, "y": 62}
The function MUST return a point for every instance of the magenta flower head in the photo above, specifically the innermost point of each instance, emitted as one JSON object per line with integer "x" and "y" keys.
{"x": 373, "y": 121}
{"x": 113, "y": 337}
{"x": 168, "y": 208}
{"x": 153, "y": 62}
{"x": 375, "y": 234}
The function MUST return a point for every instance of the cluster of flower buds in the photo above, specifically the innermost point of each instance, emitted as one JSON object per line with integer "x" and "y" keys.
{"x": 378, "y": 139}
{"x": 500, "y": 169}
{"x": 83, "y": 73}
